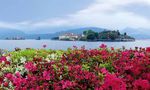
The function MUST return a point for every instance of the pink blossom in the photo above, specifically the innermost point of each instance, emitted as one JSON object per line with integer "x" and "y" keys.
{"x": 46, "y": 75}
{"x": 44, "y": 46}
{"x": 6, "y": 84}
{"x": 148, "y": 49}
{"x": 30, "y": 66}
{"x": 104, "y": 71}
{"x": 18, "y": 74}
{"x": 3, "y": 58}
{"x": 67, "y": 84}
{"x": 141, "y": 84}
{"x": 103, "y": 46}
{"x": 9, "y": 76}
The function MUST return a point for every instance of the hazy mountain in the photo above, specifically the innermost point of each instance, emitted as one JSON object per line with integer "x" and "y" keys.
{"x": 140, "y": 33}
{"x": 80, "y": 30}
{"x": 48, "y": 30}
{"x": 136, "y": 33}
{"x": 51, "y": 35}
{"x": 4, "y": 33}
{"x": 62, "y": 30}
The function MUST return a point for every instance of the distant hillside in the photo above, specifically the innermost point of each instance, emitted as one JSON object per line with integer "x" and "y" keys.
{"x": 9, "y": 33}
{"x": 4, "y": 33}
{"x": 79, "y": 30}
{"x": 137, "y": 33}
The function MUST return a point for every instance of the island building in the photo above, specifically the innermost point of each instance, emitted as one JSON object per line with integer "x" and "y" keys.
{"x": 70, "y": 36}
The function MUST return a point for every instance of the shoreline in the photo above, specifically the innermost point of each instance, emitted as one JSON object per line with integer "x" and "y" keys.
{"x": 129, "y": 40}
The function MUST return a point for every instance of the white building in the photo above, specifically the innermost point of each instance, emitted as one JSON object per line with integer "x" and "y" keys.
{"x": 69, "y": 36}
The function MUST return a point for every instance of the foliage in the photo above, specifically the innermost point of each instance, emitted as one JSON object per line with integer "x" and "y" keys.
{"x": 90, "y": 35}
{"x": 104, "y": 35}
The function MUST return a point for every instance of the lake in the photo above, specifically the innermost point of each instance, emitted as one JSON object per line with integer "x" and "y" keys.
{"x": 51, "y": 44}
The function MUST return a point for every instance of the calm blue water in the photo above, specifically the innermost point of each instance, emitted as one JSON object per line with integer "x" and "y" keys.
{"x": 11, "y": 44}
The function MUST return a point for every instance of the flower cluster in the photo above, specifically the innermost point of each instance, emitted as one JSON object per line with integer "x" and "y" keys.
{"x": 77, "y": 69}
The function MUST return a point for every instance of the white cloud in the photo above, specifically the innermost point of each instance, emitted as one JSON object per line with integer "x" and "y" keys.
{"x": 107, "y": 13}
{"x": 101, "y": 13}
{"x": 8, "y": 25}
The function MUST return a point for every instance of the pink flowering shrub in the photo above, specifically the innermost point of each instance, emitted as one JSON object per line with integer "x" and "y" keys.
{"x": 81, "y": 69}
{"x": 132, "y": 66}
{"x": 112, "y": 82}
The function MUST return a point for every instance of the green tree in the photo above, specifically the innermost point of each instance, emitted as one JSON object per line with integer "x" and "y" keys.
{"x": 84, "y": 32}
{"x": 112, "y": 36}
{"x": 118, "y": 32}
{"x": 96, "y": 35}
{"x": 91, "y": 36}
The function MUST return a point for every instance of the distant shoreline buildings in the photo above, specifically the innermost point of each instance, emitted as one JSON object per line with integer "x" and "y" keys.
{"x": 87, "y": 35}
{"x": 15, "y": 38}
{"x": 90, "y": 35}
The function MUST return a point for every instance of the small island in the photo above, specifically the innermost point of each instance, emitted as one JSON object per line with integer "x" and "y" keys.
{"x": 90, "y": 35}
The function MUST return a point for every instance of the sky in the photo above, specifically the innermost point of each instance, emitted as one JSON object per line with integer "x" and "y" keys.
{"x": 28, "y": 15}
